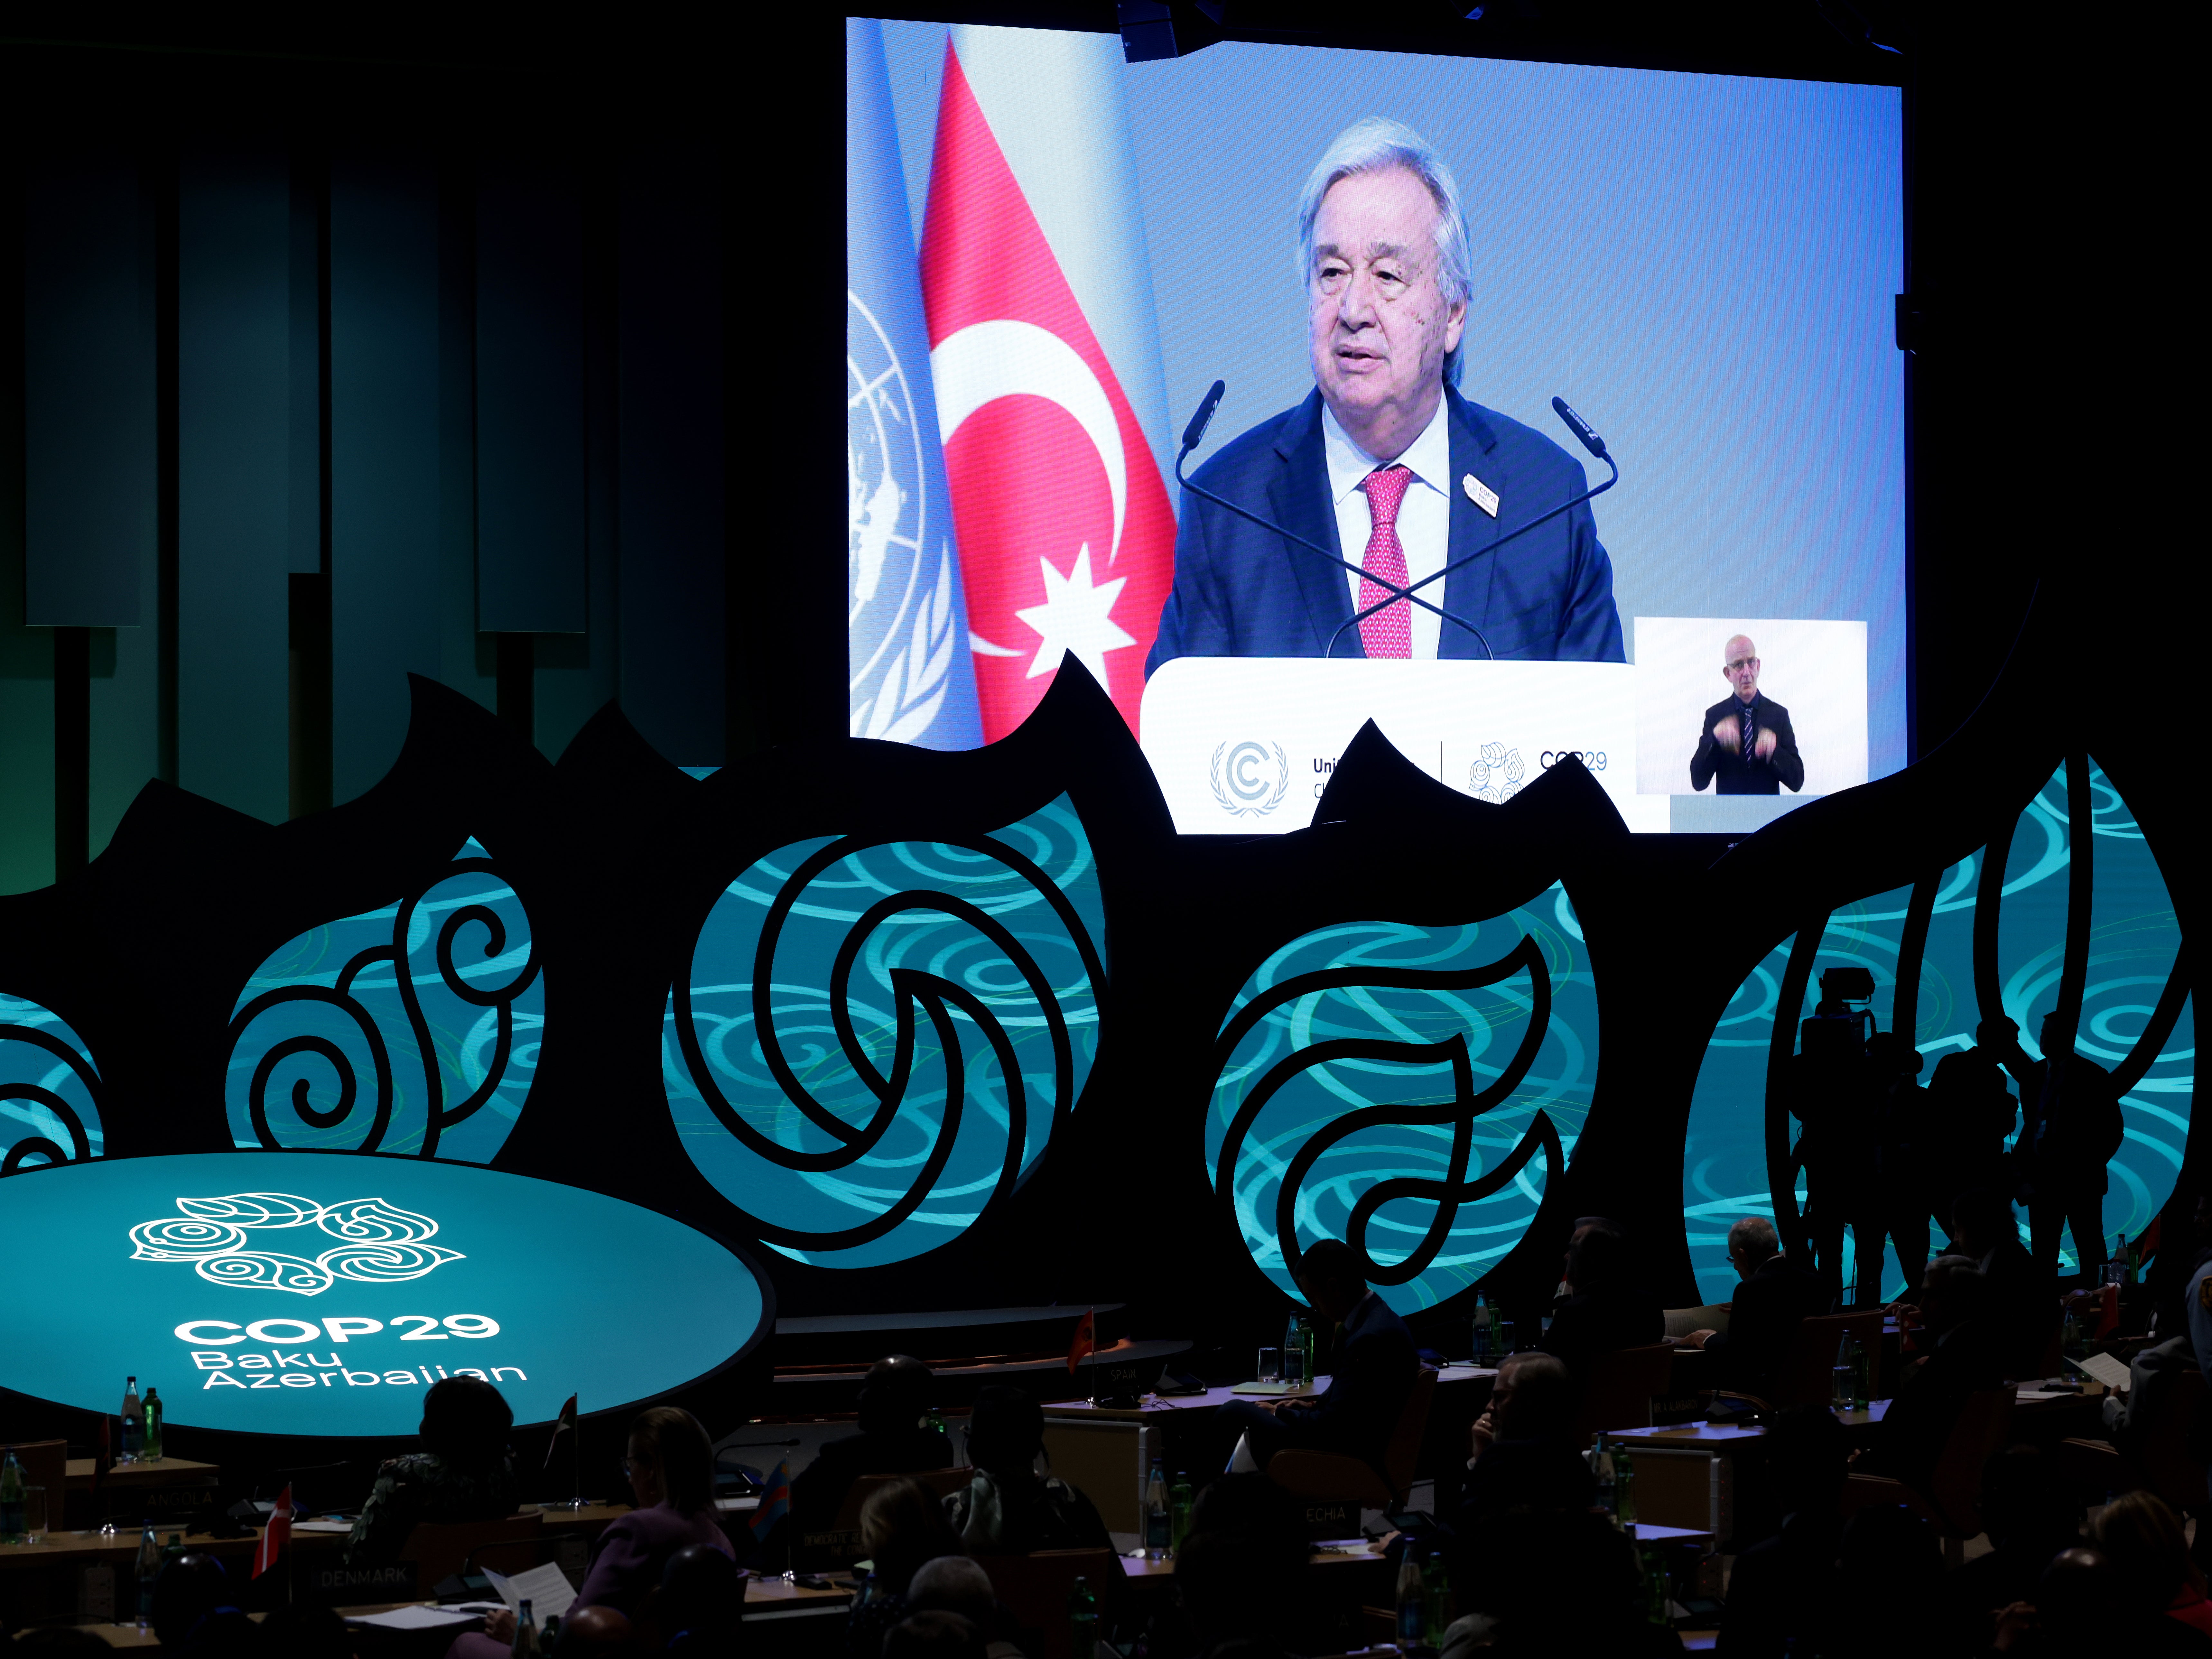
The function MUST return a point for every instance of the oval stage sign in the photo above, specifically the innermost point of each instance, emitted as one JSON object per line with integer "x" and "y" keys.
{"x": 321, "y": 1293}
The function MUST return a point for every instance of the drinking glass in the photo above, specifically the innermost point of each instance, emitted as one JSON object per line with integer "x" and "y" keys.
{"x": 1271, "y": 1365}
{"x": 2112, "y": 1272}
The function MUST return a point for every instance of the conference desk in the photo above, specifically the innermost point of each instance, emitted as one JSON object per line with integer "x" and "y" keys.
{"x": 1108, "y": 1451}
{"x": 164, "y": 1471}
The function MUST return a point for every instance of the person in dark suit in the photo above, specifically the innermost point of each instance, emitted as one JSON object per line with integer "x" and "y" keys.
{"x": 1967, "y": 1353}
{"x": 1747, "y": 743}
{"x": 1386, "y": 463}
{"x": 1529, "y": 1460}
{"x": 1971, "y": 1112}
{"x": 2071, "y": 1126}
{"x": 1777, "y": 1296}
{"x": 893, "y": 1440}
{"x": 2020, "y": 1297}
{"x": 1606, "y": 1307}
{"x": 1370, "y": 1378}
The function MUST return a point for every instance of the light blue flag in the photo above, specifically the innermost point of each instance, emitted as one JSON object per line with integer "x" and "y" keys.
{"x": 910, "y": 675}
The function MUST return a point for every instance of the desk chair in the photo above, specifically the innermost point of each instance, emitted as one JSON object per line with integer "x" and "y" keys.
{"x": 1619, "y": 1389}
{"x": 1805, "y": 1375}
{"x": 1953, "y": 1497}
{"x": 1341, "y": 1477}
{"x": 1035, "y": 1588}
{"x": 439, "y": 1549}
{"x": 2161, "y": 1459}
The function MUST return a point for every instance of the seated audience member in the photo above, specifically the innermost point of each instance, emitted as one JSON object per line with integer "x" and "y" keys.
{"x": 2143, "y": 1540}
{"x": 2154, "y": 1375}
{"x": 1606, "y": 1309}
{"x": 1563, "y": 1586}
{"x": 586, "y": 1632}
{"x": 934, "y": 1635}
{"x": 1784, "y": 1588}
{"x": 1007, "y": 1508}
{"x": 1527, "y": 1459}
{"x": 1889, "y": 1580}
{"x": 2079, "y": 1608}
{"x": 1777, "y": 1296}
{"x": 902, "y": 1527}
{"x": 1371, "y": 1373}
{"x": 702, "y": 1594}
{"x": 671, "y": 1464}
{"x": 893, "y": 1440}
{"x": 954, "y": 1583}
{"x": 463, "y": 1472}
{"x": 195, "y": 1604}
{"x": 1966, "y": 1355}
{"x": 2022, "y": 1300}
{"x": 2030, "y": 1518}
{"x": 1241, "y": 1573}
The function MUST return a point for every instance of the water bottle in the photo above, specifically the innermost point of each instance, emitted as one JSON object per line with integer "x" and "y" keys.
{"x": 1179, "y": 1499}
{"x": 1601, "y": 1464}
{"x": 1438, "y": 1585}
{"x": 1158, "y": 1527}
{"x": 1624, "y": 1490}
{"x": 1412, "y": 1602}
{"x": 150, "y": 1568}
{"x": 1309, "y": 1345}
{"x": 526, "y": 1634}
{"x": 2134, "y": 1260}
{"x": 1860, "y": 1366}
{"x": 11, "y": 1501}
{"x": 1082, "y": 1621}
{"x": 1294, "y": 1353}
{"x": 1659, "y": 1609}
{"x": 134, "y": 1422}
{"x": 1481, "y": 1342}
{"x": 871, "y": 1588}
{"x": 2070, "y": 1338}
{"x": 151, "y": 1452}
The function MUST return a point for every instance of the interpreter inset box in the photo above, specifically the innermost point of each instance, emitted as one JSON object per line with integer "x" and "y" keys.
{"x": 1814, "y": 673}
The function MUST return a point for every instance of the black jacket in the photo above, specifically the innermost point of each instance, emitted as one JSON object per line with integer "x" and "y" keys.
{"x": 1763, "y": 1322}
{"x": 1372, "y": 1373}
{"x": 817, "y": 1492}
{"x": 1586, "y": 1328}
{"x": 1738, "y": 776}
{"x": 1920, "y": 1417}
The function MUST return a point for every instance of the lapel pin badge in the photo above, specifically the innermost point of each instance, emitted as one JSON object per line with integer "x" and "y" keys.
{"x": 1480, "y": 494}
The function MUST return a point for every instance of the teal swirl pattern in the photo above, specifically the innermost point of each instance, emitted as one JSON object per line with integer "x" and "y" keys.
{"x": 49, "y": 1090}
{"x": 1408, "y": 1090}
{"x": 872, "y": 1040}
{"x": 2134, "y": 940}
{"x": 414, "y": 1028}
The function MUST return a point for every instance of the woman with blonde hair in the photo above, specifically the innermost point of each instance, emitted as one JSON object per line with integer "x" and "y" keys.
{"x": 2143, "y": 1540}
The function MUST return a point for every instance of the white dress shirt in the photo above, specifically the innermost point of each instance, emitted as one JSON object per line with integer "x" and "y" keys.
{"x": 1424, "y": 517}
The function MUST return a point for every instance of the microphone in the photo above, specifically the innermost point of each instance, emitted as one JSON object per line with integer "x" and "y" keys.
{"x": 1575, "y": 424}
{"x": 1196, "y": 430}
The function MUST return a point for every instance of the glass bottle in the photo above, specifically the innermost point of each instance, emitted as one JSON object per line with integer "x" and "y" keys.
{"x": 1481, "y": 1345}
{"x": 1309, "y": 1348}
{"x": 134, "y": 1422}
{"x": 1659, "y": 1609}
{"x": 151, "y": 1451}
{"x": 1159, "y": 1526}
{"x": 1179, "y": 1499}
{"x": 1438, "y": 1582}
{"x": 1294, "y": 1353}
{"x": 11, "y": 1501}
{"x": 1082, "y": 1621}
{"x": 1601, "y": 1464}
{"x": 526, "y": 1634}
{"x": 150, "y": 1568}
{"x": 1412, "y": 1601}
{"x": 1861, "y": 1366}
{"x": 1624, "y": 1490}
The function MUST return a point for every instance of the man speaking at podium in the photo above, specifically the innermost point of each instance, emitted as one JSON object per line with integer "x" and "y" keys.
{"x": 1746, "y": 742}
{"x": 1386, "y": 462}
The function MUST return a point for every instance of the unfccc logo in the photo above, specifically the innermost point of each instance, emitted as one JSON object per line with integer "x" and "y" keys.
{"x": 378, "y": 1243}
{"x": 1240, "y": 779}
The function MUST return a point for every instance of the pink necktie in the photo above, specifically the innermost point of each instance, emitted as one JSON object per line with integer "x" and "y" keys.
{"x": 1389, "y": 631}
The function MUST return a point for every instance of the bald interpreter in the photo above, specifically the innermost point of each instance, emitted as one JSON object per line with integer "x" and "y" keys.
{"x": 1746, "y": 746}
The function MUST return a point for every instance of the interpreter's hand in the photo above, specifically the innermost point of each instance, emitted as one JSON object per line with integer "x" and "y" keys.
{"x": 1763, "y": 745}
{"x": 1698, "y": 1339}
{"x": 2017, "y": 1626}
{"x": 500, "y": 1624}
{"x": 1728, "y": 734}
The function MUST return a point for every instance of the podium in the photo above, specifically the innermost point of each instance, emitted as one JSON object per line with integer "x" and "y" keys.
{"x": 1245, "y": 746}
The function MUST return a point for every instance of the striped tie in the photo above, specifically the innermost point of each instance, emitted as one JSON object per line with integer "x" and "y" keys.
{"x": 1748, "y": 736}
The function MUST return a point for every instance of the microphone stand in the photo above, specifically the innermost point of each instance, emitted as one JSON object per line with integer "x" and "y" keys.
{"x": 1195, "y": 431}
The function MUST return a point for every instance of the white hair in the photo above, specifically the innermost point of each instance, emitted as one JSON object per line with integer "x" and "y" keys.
{"x": 1375, "y": 143}
{"x": 955, "y": 1582}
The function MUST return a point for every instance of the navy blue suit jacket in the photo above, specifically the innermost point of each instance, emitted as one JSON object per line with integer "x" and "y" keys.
{"x": 1240, "y": 591}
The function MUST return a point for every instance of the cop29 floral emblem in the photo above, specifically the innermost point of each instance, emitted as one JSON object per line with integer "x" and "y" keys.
{"x": 375, "y": 1242}
{"x": 1496, "y": 775}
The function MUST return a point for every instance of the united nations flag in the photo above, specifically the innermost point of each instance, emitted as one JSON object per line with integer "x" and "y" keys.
{"x": 911, "y": 677}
